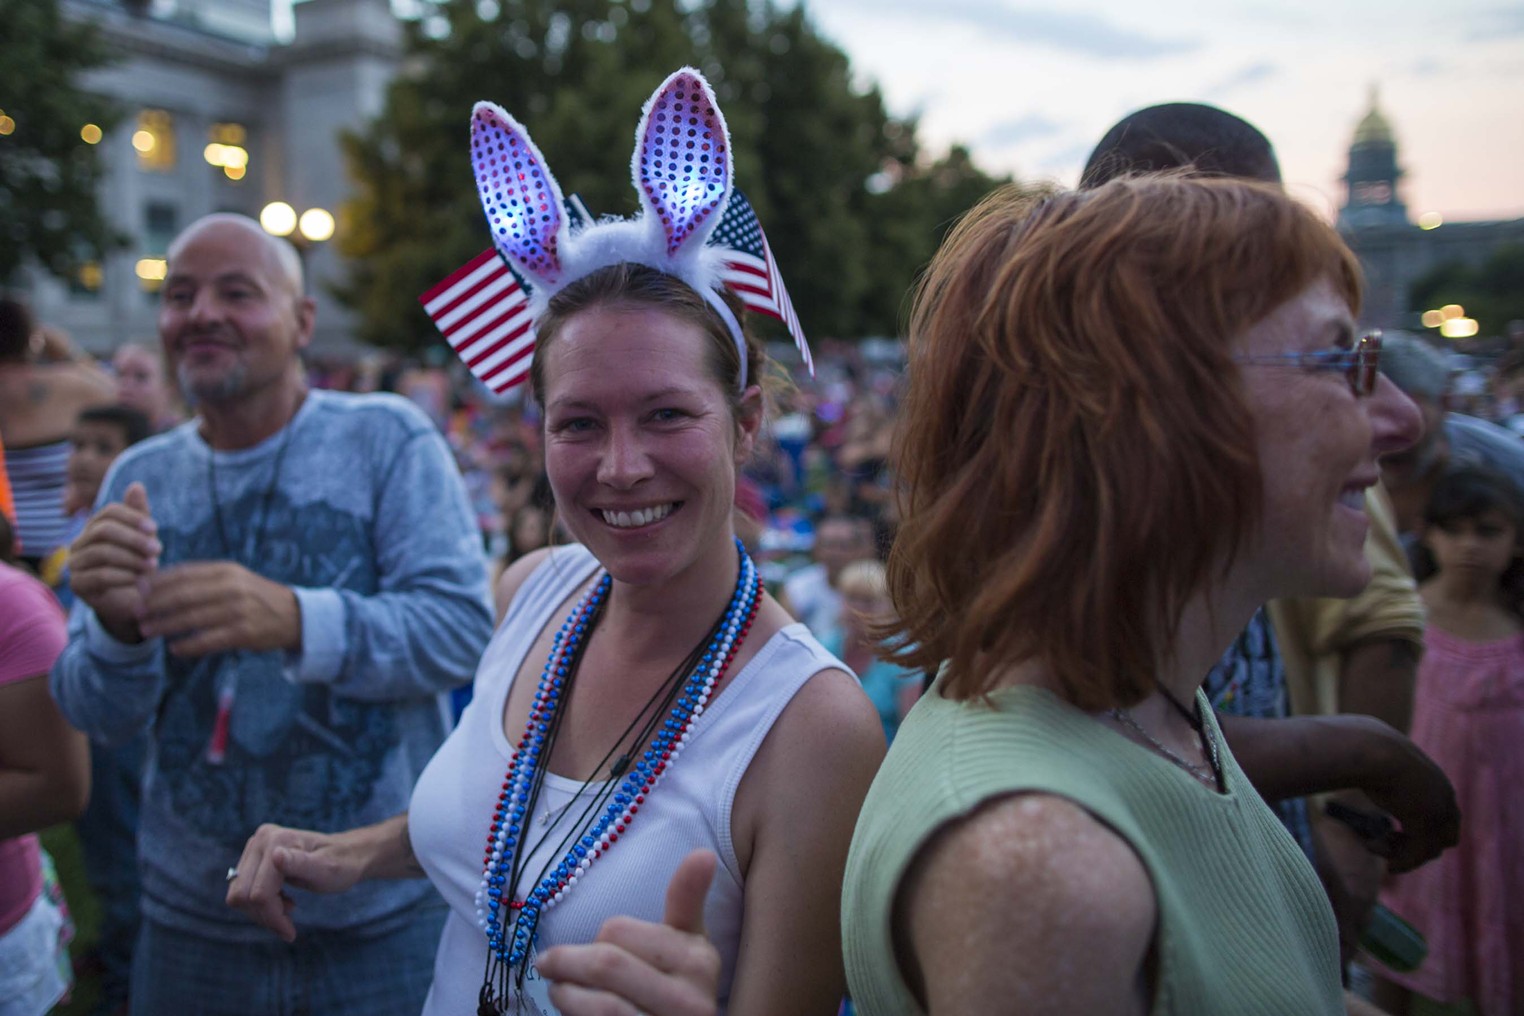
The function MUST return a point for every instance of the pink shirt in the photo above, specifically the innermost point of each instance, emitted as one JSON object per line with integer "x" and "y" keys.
{"x": 32, "y": 634}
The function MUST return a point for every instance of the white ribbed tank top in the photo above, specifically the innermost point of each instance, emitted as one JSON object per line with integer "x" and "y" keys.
{"x": 454, "y": 799}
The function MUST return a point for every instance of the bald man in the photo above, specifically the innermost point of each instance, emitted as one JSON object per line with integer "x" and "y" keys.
{"x": 281, "y": 592}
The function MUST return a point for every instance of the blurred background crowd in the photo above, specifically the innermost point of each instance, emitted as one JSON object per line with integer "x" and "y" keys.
{"x": 815, "y": 504}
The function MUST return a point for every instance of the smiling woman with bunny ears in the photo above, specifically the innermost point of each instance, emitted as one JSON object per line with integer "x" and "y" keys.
{"x": 644, "y": 704}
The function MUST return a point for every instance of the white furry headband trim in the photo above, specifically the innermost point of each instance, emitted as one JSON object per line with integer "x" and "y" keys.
{"x": 682, "y": 171}
{"x": 693, "y": 224}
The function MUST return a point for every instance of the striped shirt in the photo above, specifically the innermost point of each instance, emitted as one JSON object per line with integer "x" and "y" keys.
{"x": 38, "y": 477}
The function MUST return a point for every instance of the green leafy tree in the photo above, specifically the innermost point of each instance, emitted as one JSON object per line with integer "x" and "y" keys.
{"x": 850, "y": 211}
{"x": 49, "y": 176}
{"x": 1492, "y": 292}
{"x": 917, "y": 203}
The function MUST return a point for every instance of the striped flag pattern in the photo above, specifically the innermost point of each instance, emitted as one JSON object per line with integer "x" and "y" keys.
{"x": 483, "y": 310}
{"x": 752, "y": 274}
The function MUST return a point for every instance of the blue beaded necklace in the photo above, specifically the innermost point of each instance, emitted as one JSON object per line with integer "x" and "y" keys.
{"x": 511, "y": 924}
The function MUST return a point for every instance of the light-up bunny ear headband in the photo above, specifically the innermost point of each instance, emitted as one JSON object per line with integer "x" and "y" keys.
{"x": 692, "y": 224}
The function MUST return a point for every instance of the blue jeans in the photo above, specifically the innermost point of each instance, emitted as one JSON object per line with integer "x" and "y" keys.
{"x": 322, "y": 973}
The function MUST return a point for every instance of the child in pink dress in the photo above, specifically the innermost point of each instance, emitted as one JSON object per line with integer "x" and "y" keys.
{"x": 1468, "y": 714}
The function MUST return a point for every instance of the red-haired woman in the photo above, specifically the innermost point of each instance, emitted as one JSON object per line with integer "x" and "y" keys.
{"x": 1133, "y": 416}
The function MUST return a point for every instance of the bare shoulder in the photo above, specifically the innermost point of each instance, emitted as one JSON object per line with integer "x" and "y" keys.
{"x": 791, "y": 825}
{"x": 813, "y": 769}
{"x": 829, "y": 722}
{"x": 1042, "y": 844}
{"x": 513, "y": 577}
{"x": 829, "y": 733}
{"x": 1083, "y": 893}
{"x": 86, "y": 382}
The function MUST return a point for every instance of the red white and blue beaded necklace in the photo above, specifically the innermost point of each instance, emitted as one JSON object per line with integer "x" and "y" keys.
{"x": 510, "y": 916}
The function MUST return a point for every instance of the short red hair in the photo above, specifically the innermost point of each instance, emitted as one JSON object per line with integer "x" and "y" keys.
{"x": 1075, "y": 452}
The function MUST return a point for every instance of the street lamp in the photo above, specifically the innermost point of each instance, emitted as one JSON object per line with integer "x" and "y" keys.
{"x": 315, "y": 225}
{"x": 1451, "y": 320}
{"x": 225, "y": 150}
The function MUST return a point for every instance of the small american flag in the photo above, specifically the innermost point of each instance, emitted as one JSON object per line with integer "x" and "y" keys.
{"x": 483, "y": 307}
{"x": 752, "y": 274}
{"x": 483, "y": 311}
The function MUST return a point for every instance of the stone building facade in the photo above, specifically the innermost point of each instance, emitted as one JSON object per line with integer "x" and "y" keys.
{"x": 1394, "y": 250}
{"x": 195, "y": 73}
{"x": 200, "y": 73}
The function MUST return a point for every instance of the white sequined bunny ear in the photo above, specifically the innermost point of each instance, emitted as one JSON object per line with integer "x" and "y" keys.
{"x": 521, "y": 199}
{"x": 683, "y": 172}
{"x": 682, "y": 165}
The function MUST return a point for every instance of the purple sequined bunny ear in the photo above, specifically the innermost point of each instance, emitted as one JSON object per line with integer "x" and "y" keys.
{"x": 520, "y": 197}
{"x": 682, "y": 163}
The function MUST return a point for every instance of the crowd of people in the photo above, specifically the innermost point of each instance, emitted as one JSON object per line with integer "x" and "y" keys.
{"x": 1189, "y": 618}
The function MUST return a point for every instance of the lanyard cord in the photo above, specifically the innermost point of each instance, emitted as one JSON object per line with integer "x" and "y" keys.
{"x": 265, "y": 502}
{"x": 225, "y": 682}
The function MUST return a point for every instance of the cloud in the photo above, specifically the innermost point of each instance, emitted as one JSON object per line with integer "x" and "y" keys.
{"x": 1500, "y": 22}
{"x": 1025, "y": 128}
{"x": 1065, "y": 159}
{"x": 1253, "y": 74}
{"x": 1070, "y": 31}
{"x": 1281, "y": 16}
{"x": 1428, "y": 67}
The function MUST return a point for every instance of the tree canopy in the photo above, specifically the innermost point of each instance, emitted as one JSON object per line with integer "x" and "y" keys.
{"x": 1492, "y": 292}
{"x": 49, "y": 174}
{"x": 851, "y": 205}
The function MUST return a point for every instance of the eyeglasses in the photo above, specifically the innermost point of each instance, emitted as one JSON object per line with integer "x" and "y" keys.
{"x": 1361, "y": 365}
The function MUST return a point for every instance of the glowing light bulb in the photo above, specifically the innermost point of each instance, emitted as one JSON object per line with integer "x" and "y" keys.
{"x": 278, "y": 218}
{"x": 316, "y": 225}
{"x": 151, "y": 269}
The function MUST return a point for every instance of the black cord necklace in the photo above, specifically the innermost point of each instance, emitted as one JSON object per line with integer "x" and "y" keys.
{"x": 1198, "y": 724}
{"x": 265, "y": 501}
{"x": 636, "y": 733}
{"x": 563, "y": 830}
{"x": 1192, "y": 715}
{"x": 226, "y": 680}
